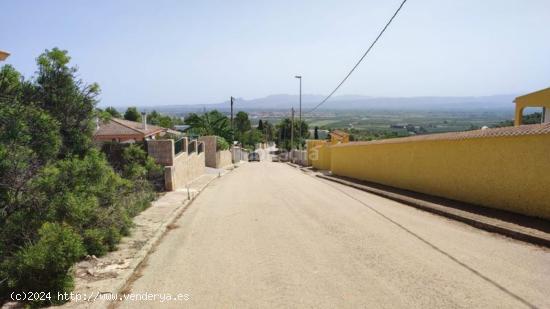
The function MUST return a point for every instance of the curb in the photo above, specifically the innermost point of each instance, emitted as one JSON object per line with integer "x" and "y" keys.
{"x": 143, "y": 253}
{"x": 159, "y": 234}
{"x": 474, "y": 220}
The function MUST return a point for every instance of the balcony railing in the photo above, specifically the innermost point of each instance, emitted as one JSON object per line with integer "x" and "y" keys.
{"x": 200, "y": 147}
{"x": 179, "y": 146}
{"x": 192, "y": 147}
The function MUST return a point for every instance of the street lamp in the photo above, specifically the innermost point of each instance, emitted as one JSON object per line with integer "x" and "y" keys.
{"x": 300, "y": 111}
{"x": 3, "y": 55}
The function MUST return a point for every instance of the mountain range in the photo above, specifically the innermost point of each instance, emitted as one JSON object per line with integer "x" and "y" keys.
{"x": 352, "y": 102}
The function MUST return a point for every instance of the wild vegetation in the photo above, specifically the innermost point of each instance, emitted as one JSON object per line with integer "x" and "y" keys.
{"x": 60, "y": 199}
{"x": 216, "y": 123}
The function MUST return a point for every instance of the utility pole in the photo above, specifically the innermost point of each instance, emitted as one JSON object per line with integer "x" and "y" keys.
{"x": 291, "y": 133}
{"x": 300, "y": 111}
{"x": 232, "y": 131}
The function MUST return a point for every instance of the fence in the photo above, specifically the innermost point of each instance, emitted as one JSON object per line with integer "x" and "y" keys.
{"x": 192, "y": 147}
{"x": 179, "y": 145}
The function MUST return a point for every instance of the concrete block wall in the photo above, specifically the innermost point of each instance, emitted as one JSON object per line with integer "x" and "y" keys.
{"x": 162, "y": 151}
{"x": 223, "y": 158}
{"x": 186, "y": 168}
{"x": 178, "y": 169}
{"x": 209, "y": 149}
{"x": 239, "y": 154}
{"x": 299, "y": 157}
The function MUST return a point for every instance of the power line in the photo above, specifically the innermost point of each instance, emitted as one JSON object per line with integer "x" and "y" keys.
{"x": 361, "y": 59}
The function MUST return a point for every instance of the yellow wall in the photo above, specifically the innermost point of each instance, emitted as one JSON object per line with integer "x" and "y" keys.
{"x": 510, "y": 173}
{"x": 322, "y": 160}
{"x": 539, "y": 98}
{"x": 312, "y": 154}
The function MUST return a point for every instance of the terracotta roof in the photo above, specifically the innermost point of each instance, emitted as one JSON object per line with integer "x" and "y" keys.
{"x": 116, "y": 126}
{"x": 532, "y": 129}
{"x": 339, "y": 133}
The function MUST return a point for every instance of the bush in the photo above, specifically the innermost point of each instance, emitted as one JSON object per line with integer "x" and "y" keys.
{"x": 221, "y": 144}
{"x": 59, "y": 196}
{"x": 44, "y": 266}
{"x": 94, "y": 241}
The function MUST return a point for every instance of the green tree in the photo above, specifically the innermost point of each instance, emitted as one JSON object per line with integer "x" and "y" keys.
{"x": 211, "y": 123}
{"x": 29, "y": 139}
{"x": 251, "y": 138}
{"x": 260, "y": 126}
{"x": 165, "y": 121}
{"x": 242, "y": 123}
{"x": 43, "y": 265}
{"x": 132, "y": 114}
{"x": 67, "y": 99}
{"x": 59, "y": 197}
{"x": 269, "y": 131}
{"x": 284, "y": 134}
{"x": 114, "y": 113}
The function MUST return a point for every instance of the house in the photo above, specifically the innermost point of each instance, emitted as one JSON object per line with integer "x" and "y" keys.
{"x": 338, "y": 136}
{"x": 120, "y": 130}
{"x": 539, "y": 98}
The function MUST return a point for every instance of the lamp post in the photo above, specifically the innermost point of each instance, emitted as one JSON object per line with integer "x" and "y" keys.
{"x": 231, "y": 100}
{"x": 299, "y": 77}
{"x": 3, "y": 55}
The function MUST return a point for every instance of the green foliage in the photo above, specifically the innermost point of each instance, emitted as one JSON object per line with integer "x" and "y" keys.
{"x": 251, "y": 138}
{"x": 242, "y": 125}
{"x": 113, "y": 112}
{"x": 138, "y": 166}
{"x": 67, "y": 99}
{"x": 211, "y": 123}
{"x": 95, "y": 242}
{"x": 269, "y": 131}
{"x": 260, "y": 125}
{"x": 10, "y": 81}
{"x": 221, "y": 144}
{"x": 29, "y": 139}
{"x": 533, "y": 118}
{"x": 132, "y": 114}
{"x": 59, "y": 197}
{"x": 44, "y": 265}
{"x": 164, "y": 121}
{"x": 284, "y": 133}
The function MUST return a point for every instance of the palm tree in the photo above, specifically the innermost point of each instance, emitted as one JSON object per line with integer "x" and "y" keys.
{"x": 211, "y": 123}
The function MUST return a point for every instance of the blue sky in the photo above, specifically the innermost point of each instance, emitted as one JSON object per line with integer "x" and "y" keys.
{"x": 185, "y": 52}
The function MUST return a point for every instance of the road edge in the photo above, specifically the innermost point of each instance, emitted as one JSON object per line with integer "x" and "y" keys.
{"x": 516, "y": 234}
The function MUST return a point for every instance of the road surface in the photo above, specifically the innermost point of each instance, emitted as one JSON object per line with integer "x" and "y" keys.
{"x": 268, "y": 235}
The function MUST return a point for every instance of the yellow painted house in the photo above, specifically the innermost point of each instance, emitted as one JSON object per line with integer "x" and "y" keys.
{"x": 337, "y": 137}
{"x": 539, "y": 98}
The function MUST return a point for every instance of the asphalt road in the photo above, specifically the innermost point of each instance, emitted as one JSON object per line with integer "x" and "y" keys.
{"x": 267, "y": 235}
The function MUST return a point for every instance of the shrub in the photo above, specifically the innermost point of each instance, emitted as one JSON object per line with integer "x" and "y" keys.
{"x": 221, "y": 144}
{"x": 94, "y": 241}
{"x": 44, "y": 266}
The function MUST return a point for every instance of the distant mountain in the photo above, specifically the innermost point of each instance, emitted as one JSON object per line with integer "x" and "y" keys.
{"x": 353, "y": 102}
